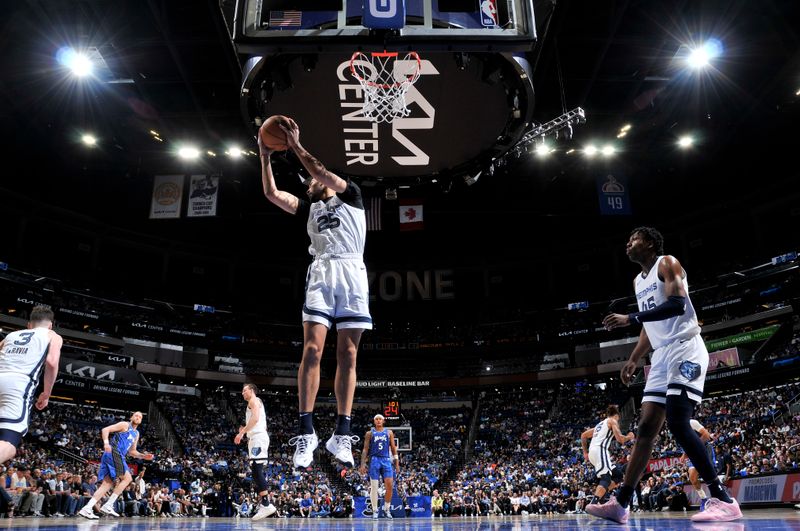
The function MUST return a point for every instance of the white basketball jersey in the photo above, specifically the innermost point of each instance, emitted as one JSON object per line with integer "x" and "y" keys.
{"x": 336, "y": 228}
{"x": 603, "y": 435}
{"x": 650, "y": 293}
{"x": 261, "y": 424}
{"x": 24, "y": 352}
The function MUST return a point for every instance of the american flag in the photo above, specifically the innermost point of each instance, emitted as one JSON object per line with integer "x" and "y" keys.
{"x": 374, "y": 213}
{"x": 285, "y": 18}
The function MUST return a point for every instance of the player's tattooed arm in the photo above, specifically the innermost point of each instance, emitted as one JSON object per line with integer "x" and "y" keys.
{"x": 312, "y": 165}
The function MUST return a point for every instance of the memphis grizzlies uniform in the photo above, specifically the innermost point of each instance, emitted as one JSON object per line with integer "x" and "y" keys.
{"x": 113, "y": 463}
{"x": 598, "y": 449}
{"x": 712, "y": 455}
{"x": 337, "y": 290}
{"x": 257, "y": 438}
{"x": 21, "y": 360}
{"x": 679, "y": 358}
{"x": 380, "y": 463}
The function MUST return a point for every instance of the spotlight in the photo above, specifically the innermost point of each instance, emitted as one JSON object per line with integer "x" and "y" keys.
{"x": 79, "y": 63}
{"x": 89, "y": 140}
{"x": 188, "y": 153}
{"x": 608, "y": 150}
{"x": 685, "y": 141}
{"x": 590, "y": 150}
{"x": 701, "y": 56}
{"x": 542, "y": 150}
{"x": 625, "y": 128}
{"x": 234, "y": 152}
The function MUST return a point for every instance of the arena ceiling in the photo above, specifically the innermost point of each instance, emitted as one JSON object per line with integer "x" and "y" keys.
{"x": 170, "y": 67}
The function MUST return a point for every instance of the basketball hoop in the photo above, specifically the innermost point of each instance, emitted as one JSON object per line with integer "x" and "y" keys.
{"x": 385, "y": 79}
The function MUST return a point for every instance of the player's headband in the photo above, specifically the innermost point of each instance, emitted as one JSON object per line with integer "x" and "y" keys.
{"x": 378, "y": 416}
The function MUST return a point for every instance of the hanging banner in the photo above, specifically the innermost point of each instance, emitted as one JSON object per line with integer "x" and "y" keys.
{"x": 203, "y": 190}
{"x": 167, "y": 195}
{"x": 613, "y": 195}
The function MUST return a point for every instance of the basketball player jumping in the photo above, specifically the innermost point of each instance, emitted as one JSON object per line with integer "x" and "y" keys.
{"x": 336, "y": 291}
{"x": 378, "y": 445}
{"x": 257, "y": 445}
{"x": 597, "y": 453}
{"x": 22, "y": 355}
{"x": 677, "y": 374}
{"x": 113, "y": 465}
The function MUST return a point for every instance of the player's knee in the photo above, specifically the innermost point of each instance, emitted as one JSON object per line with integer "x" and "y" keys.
{"x": 346, "y": 358}
{"x": 679, "y": 412}
{"x": 605, "y": 481}
{"x": 312, "y": 354}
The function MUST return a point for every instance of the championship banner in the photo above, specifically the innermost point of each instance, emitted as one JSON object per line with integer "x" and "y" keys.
{"x": 654, "y": 465}
{"x": 203, "y": 191}
{"x": 420, "y": 506}
{"x": 613, "y": 195}
{"x": 167, "y": 196}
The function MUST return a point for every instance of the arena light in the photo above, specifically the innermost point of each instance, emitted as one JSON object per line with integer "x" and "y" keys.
{"x": 590, "y": 150}
{"x": 78, "y": 63}
{"x": 89, "y": 140}
{"x": 188, "y": 152}
{"x": 797, "y": 93}
{"x": 608, "y": 150}
{"x": 234, "y": 152}
{"x": 686, "y": 141}
{"x": 542, "y": 150}
{"x": 702, "y": 55}
{"x": 625, "y": 128}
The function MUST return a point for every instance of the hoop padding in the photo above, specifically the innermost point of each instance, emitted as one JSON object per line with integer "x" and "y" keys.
{"x": 385, "y": 80}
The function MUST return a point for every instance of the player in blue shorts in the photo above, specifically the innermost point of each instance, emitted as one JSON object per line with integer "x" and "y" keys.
{"x": 381, "y": 450}
{"x": 113, "y": 465}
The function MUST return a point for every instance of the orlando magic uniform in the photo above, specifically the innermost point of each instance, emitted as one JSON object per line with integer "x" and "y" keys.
{"x": 598, "y": 449}
{"x": 380, "y": 464}
{"x": 712, "y": 455}
{"x": 21, "y": 360}
{"x": 337, "y": 290}
{"x": 257, "y": 438}
{"x": 113, "y": 463}
{"x": 680, "y": 358}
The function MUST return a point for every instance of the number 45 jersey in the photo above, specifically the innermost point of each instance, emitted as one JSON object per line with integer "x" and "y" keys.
{"x": 651, "y": 292}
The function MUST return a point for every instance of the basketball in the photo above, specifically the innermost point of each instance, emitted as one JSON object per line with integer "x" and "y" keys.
{"x": 272, "y": 135}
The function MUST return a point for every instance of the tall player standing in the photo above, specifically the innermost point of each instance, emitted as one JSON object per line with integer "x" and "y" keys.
{"x": 22, "y": 355}
{"x": 380, "y": 449}
{"x": 257, "y": 446}
{"x": 336, "y": 291}
{"x": 677, "y": 374}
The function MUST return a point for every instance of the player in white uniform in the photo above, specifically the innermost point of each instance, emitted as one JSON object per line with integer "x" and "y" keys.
{"x": 677, "y": 373}
{"x": 597, "y": 453}
{"x": 23, "y": 353}
{"x": 336, "y": 291}
{"x": 257, "y": 446}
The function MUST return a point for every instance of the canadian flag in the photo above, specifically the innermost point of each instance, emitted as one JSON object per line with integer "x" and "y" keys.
{"x": 411, "y": 214}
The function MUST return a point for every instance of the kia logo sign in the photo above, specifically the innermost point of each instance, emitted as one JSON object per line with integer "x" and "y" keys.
{"x": 457, "y": 117}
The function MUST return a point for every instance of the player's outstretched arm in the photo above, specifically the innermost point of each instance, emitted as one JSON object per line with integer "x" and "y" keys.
{"x": 622, "y": 439}
{"x": 50, "y": 369}
{"x": 312, "y": 165}
{"x": 133, "y": 452}
{"x": 284, "y": 200}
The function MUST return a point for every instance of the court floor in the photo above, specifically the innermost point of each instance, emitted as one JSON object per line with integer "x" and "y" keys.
{"x": 761, "y": 519}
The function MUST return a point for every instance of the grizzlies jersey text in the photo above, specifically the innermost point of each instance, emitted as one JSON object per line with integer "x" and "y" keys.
{"x": 650, "y": 292}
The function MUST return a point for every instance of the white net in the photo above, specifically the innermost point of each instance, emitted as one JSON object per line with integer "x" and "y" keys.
{"x": 385, "y": 79}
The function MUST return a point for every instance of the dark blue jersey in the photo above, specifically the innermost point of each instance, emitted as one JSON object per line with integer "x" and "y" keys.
{"x": 379, "y": 445}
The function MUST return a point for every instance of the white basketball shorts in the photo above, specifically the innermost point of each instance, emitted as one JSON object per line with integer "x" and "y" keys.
{"x": 16, "y": 398}
{"x": 601, "y": 461}
{"x": 677, "y": 367}
{"x": 257, "y": 446}
{"x": 337, "y": 292}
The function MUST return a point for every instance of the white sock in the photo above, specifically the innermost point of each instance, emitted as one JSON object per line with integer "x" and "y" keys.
{"x": 90, "y": 504}
{"x": 386, "y": 506}
{"x": 111, "y": 500}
